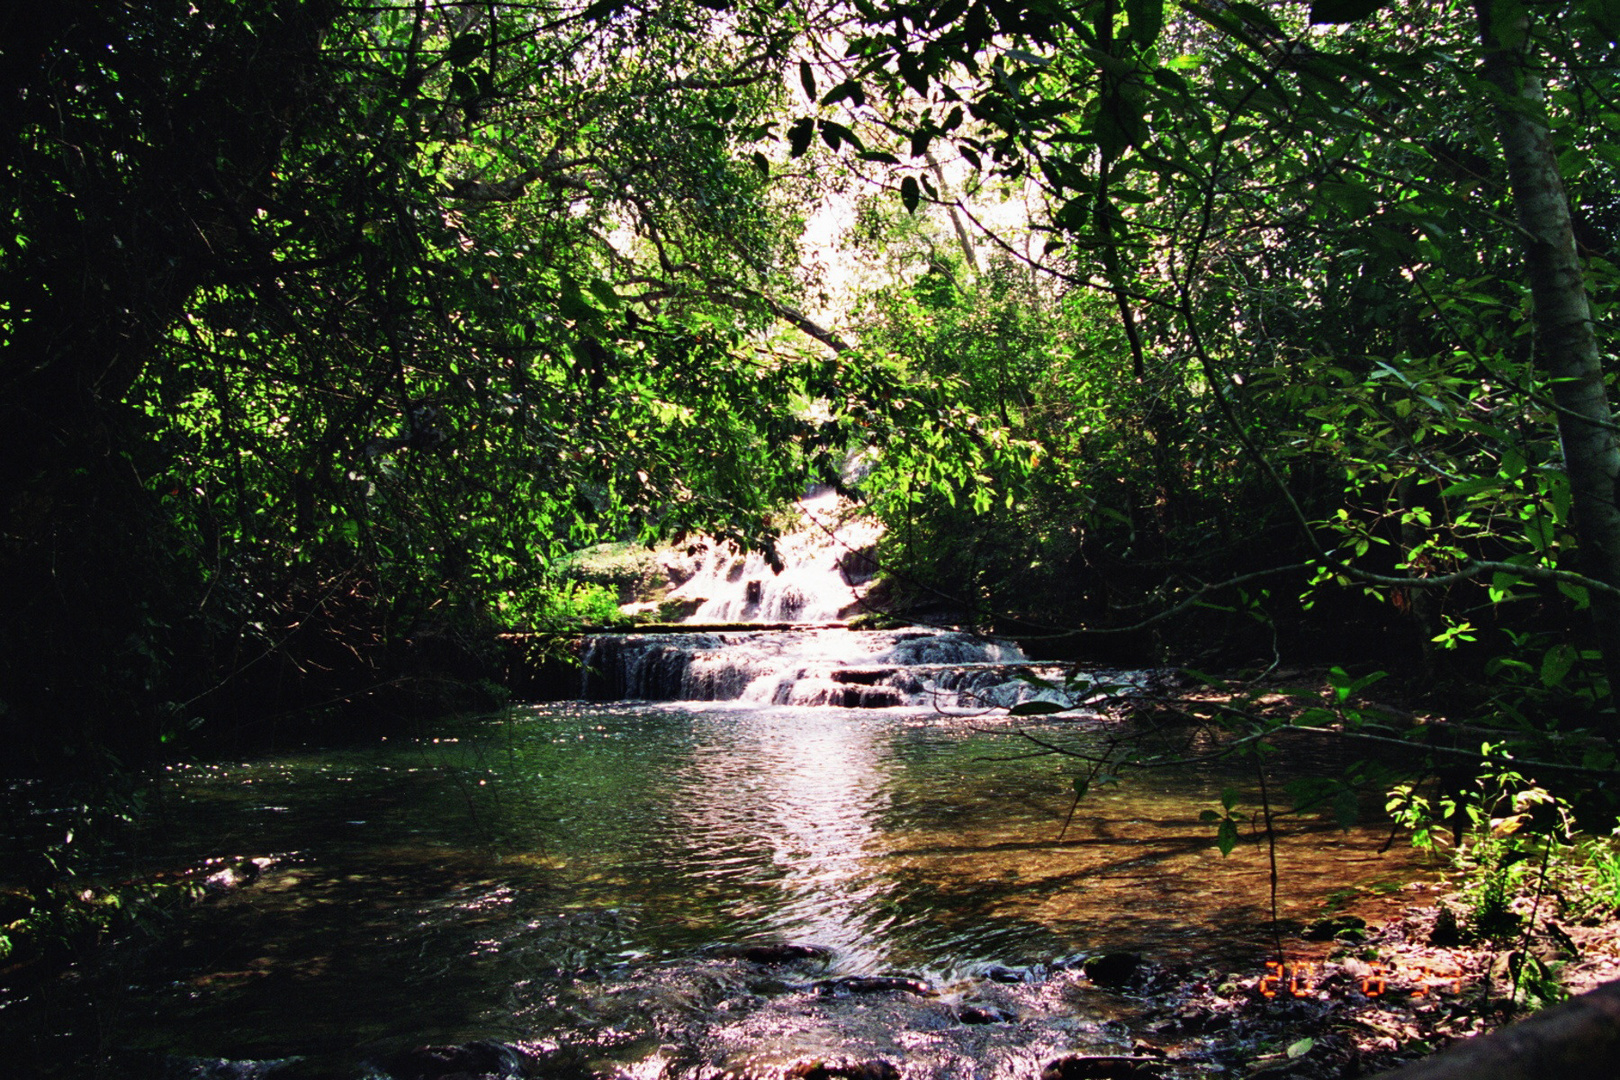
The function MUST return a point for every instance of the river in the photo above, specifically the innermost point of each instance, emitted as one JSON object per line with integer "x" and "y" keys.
{"x": 579, "y": 877}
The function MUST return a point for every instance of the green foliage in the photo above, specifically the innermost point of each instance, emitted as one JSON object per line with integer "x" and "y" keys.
{"x": 471, "y": 291}
{"x": 568, "y": 606}
{"x": 1226, "y": 821}
{"x": 1495, "y": 869}
{"x": 1598, "y": 882}
{"x": 1278, "y": 318}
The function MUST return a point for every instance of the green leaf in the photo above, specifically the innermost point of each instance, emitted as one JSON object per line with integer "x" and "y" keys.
{"x": 1472, "y": 486}
{"x": 464, "y": 48}
{"x": 1367, "y": 680}
{"x": 849, "y": 89}
{"x": 1577, "y": 593}
{"x": 1208, "y": 817}
{"x": 1340, "y": 680}
{"x": 1226, "y": 837}
{"x": 1145, "y": 19}
{"x": 807, "y": 79}
{"x": 1555, "y": 666}
{"x": 1212, "y": 681}
{"x": 1037, "y": 708}
{"x": 800, "y": 134}
{"x": 834, "y": 133}
{"x": 1346, "y": 808}
{"x": 603, "y": 291}
{"x": 909, "y": 194}
{"x": 1301, "y": 1048}
{"x": 1081, "y": 785}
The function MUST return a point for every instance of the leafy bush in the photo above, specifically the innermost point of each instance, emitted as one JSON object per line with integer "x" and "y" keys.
{"x": 568, "y": 606}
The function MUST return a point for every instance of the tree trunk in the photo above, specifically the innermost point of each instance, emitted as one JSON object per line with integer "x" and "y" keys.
{"x": 1578, "y": 1040}
{"x": 1565, "y": 344}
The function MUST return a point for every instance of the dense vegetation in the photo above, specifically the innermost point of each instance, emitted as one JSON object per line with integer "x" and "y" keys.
{"x": 331, "y": 328}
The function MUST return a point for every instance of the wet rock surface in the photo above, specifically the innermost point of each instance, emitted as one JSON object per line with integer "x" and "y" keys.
{"x": 786, "y": 953}
{"x": 876, "y": 984}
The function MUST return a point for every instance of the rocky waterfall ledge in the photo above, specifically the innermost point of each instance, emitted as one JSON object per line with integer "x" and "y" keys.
{"x": 821, "y": 665}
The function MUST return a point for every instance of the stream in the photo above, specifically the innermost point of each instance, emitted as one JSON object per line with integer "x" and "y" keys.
{"x": 716, "y": 883}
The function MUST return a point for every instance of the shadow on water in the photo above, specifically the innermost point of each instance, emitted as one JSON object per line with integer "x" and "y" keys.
{"x": 573, "y": 875}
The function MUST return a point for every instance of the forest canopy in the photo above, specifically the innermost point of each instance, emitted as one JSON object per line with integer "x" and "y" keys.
{"x": 331, "y": 329}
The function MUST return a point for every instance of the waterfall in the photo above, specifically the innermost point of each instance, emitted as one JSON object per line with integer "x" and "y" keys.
{"x": 826, "y": 569}
{"x": 819, "y": 666}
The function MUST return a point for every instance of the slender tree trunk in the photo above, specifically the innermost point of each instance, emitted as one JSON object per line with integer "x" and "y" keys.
{"x": 1565, "y": 344}
{"x": 964, "y": 238}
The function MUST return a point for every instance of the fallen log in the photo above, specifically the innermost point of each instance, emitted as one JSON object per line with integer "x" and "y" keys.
{"x": 1578, "y": 1040}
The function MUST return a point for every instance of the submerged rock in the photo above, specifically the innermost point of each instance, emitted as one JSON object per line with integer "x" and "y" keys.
{"x": 1007, "y": 975}
{"x": 876, "y": 984}
{"x": 784, "y": 953}
{"x": 981, "y": 1014}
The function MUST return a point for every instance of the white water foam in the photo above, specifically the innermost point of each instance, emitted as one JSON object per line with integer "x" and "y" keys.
{"x": 826, "y": 569}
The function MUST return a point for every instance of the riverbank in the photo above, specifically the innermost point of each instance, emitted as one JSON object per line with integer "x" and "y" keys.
{"x": 1407, "y": 989}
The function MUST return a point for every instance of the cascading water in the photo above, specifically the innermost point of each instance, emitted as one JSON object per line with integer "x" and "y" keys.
{"x": 825, "y": 573}
{"x": 826, "y": 569}
{"x": 820, "y": 666}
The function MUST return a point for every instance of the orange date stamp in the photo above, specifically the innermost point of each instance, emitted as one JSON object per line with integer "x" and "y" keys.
{"x": 1306, "y": 978}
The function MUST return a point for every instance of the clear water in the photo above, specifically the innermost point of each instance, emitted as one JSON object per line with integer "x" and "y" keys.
{"x": 564, "y": 876}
